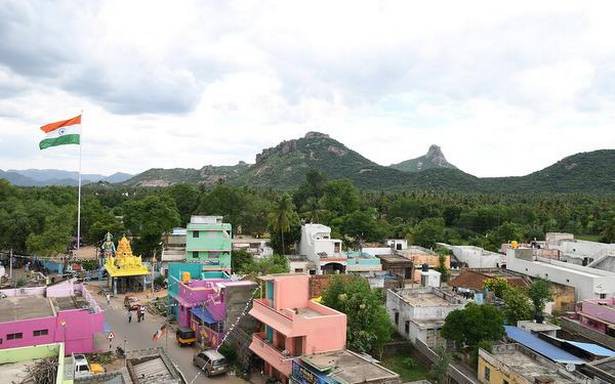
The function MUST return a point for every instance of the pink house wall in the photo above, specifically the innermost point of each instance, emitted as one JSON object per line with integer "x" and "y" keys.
{"x": 81, "y": 325}
{"x": 291, "y": 291}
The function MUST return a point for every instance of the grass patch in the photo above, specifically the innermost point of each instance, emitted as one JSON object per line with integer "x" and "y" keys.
{"x": 407, "y": 368}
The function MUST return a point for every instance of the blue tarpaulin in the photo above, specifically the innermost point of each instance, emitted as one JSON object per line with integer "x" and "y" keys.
{"x": 204, "y": 315}
{"x": 537, "y": 345}
{"x": 594, "y": 349}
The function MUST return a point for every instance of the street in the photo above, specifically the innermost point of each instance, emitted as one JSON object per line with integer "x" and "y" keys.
{"x": 140, "y": 335}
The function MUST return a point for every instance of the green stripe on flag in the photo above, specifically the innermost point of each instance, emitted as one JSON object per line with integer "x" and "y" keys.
{"x": 62, "y": 140}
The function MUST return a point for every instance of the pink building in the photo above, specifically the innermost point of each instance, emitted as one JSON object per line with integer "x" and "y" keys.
{"x": 64, "y": 313}
{"x": 194, "y": 293}
{"x": 292, "y": 324}
{"x": 598, "y": 314}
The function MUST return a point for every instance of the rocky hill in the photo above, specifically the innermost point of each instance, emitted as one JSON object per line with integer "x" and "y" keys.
{"x": 434, "y": 158}
{"x": 285, "y": 165}
{"x": 208, "y": 175}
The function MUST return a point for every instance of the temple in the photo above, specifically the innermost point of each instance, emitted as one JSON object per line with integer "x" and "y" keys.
{"x": 126, "y": 271}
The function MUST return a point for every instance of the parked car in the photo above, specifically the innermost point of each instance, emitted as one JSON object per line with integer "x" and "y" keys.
{"x": 185, "y": 336}
{"x": 83, "y": 368}
{"x": 211, "y": 362}
{"x": 132, "y": 303}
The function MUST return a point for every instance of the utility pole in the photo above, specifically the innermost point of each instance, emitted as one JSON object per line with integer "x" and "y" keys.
{"x": 11, "y": 264}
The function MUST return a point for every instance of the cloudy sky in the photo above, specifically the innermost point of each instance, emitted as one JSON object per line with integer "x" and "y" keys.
{"x": 505, "y": 88}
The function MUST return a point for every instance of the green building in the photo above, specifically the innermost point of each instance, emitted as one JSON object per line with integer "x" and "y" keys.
{"x": 208, "y": 241}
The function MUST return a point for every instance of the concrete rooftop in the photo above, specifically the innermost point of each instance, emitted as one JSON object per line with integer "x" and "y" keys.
{"x": 528, "y": 367}
{"x": 349, "y": 367}
{"x": 422, "y": 299}
{"x": 24, "y": 307}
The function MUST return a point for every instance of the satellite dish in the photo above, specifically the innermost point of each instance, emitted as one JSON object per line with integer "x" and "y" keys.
{"x": 570, "y": 367}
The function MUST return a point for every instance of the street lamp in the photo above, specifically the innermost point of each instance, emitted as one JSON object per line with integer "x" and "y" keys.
{"x": 63, "y": 324}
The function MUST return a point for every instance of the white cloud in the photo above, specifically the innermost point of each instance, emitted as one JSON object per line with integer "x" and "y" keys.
{"x": 503, "y": 88}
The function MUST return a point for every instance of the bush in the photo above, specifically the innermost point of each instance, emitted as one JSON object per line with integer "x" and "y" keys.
{"x": 229, "y": 352}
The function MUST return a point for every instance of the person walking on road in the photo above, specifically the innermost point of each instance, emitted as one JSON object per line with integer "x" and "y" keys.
{"x": 129, "y": 316}
{"x": 142, "y": 312}
{"x": 108, "y": 297}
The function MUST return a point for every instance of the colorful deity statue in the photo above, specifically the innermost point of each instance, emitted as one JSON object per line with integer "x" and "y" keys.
{"x": 108, "y": 248}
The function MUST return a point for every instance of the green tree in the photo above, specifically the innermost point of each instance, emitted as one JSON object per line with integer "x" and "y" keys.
{"x": 281, "y": 218}
{"x": 369, "y": 326}
{"x": 186, "y": 197}
{"x": 147, "y": 219}
{"x": 439, "y": 370}
{"x": 340, "y": 197}
{"x": 497, "y": 285}
{"x": 55, "y": 237}
{"x": 429, "y": 231}
{"x": 517, "y": 306}
{"x": 239, "y": 259}
{"x": 540, "y": 293}
{"x": 473, "y": 324}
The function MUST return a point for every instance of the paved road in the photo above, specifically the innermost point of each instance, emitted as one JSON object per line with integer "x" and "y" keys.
{"x": 140, "y": 335}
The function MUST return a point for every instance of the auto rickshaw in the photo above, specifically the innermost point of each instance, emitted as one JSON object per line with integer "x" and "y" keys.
{"x": 185, "y": 336}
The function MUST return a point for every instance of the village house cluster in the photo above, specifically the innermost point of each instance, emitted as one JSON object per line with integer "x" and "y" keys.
{"x": 278, "y": 327}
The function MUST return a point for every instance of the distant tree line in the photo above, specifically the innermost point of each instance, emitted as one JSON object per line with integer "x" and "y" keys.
{"x": 43, "y": 220}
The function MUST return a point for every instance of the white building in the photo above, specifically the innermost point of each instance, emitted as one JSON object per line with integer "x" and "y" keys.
{"x": 419, "y": 313}
{"x": 476, "y": 257}
{"x": 256, "y": 247}
{"x": 318, "y": 247}
{"x": 589, "y": 283}
{"x": 397, "y": 244}
{"x": 578, "y": 251}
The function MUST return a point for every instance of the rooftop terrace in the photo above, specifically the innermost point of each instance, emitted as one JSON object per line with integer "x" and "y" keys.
{"x": 428, "y": 297}
{"x": 24, "y": 307}
{"x": 349, "y": 367}
{"x": 525, "y": 364}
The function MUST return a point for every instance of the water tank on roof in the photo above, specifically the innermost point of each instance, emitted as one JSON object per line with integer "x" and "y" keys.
{"x": 425, "y": 267}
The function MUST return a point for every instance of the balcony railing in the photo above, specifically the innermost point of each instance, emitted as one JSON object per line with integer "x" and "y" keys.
{"x": 274, "y": 356}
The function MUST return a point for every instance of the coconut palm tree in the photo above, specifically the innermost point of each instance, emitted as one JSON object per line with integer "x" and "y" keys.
{"x": 280, "y": 217}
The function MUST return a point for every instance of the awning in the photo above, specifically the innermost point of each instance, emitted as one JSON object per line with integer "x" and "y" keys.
{"x": 204, "y": 315}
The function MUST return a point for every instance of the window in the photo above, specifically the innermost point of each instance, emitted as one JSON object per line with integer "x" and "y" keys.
{"x": 14, "y": 336}
{"x": 195, "y": 234}
{"x": 41, "y": 332}
{"x": 398, "y": 246}
{"x": 407, "y": 327}
{"x": 195, "y": 254}
{"x": 487, "y": 373}
{"x": 603, "y": 295}
{"x": 396, "y": 318}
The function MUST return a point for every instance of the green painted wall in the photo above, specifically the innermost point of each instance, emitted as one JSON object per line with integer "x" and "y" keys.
{"x": 15, "y": 355}
{"x": 209, "y": 244}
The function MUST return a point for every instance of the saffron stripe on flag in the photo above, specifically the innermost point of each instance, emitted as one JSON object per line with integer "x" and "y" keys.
{"x": 59, "y": 124}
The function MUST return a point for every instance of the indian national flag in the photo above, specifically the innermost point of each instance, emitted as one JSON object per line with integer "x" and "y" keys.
{"x": 61, "y": 132}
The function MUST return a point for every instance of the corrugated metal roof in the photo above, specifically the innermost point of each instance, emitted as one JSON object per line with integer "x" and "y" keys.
{"x": 594, "y": 349}
{"x": 203, "y": 314}
{"x": 537, "y": 345}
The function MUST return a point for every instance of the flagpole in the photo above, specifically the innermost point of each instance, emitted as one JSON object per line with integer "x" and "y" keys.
{"x": 79, "y": 187}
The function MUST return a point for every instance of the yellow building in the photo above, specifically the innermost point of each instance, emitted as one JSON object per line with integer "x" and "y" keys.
{"x": 125, "y": 269}
{"x": 515, "y": 364}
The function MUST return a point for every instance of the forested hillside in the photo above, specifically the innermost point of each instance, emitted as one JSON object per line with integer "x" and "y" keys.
{"x": 42, "y": 220}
